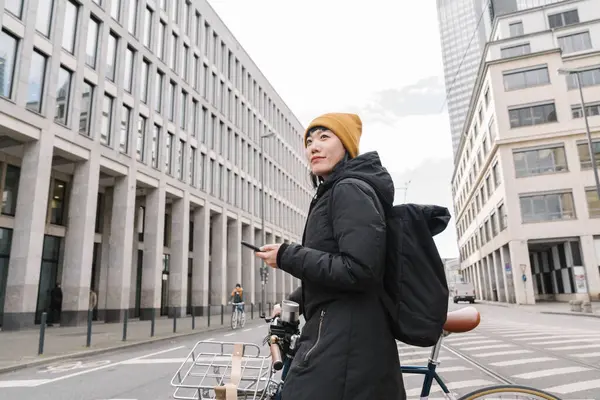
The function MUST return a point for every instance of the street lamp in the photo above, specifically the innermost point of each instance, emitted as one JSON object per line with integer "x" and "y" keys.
{"x": 264, "y": 273}
{"x": 577, "y": 72}
{"x": 405, "y": 188}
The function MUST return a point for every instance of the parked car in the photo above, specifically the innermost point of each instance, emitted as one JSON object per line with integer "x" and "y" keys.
{"x": 464, "y": 292}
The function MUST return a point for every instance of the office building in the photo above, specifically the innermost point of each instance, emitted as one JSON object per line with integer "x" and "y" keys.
{"x": 465, "y": 27}
{"x": 131, "y": 135}
{"x": 526, "y": 204}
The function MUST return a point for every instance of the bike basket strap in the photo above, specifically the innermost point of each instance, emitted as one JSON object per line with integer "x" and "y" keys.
{"x": 415, "y": 291}
{"x": 229, "y": 390}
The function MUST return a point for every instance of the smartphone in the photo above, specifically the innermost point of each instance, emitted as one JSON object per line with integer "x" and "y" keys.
{"x": 251, "y": 246}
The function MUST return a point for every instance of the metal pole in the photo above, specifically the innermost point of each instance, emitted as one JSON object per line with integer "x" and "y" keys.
{"x": 263, "y": 267}
{"x": 88, "y": 340}
{"x": 42, "y": 333}
{"x": 594, "y": 165}
{"x": 589, "y": 137}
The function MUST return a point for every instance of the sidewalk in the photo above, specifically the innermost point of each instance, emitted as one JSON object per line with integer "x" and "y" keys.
{"x": 559, "y": 308}
{"x": 19, "y": 349}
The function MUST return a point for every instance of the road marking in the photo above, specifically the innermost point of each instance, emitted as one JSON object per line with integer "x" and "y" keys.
{"x": 563, "y": 341}
{"x": 247, "y": 330}
{"x": 424, "y": 360}
{"x": 451, "y": 386}
{"x": 210, "y": 339}
{"x": 575, "y": 387}
{"x": 415, "y": 353}
{"x": 229, "y": 334}
{"x": 23, "y": 383}
{"x": 487, "y": 341}
{"x": 550, "y": 372}
{"x": 522, "y": 361}
{"x": 492, "y": 346}
{"x": 502, "y": 353}
{"x": 587, "y": 355}
{"x": 587, "y": 346}
{"x": 72, "y": 365}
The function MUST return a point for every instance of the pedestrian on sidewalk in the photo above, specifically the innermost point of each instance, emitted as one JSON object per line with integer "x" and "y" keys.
{"x": 347, "y": 350}
{"x": 56, "y": 298}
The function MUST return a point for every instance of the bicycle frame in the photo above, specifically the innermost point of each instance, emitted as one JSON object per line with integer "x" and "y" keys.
{"x": 430, "y": 373}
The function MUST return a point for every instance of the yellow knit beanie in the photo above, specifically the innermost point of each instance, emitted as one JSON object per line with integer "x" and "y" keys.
{"x": 347, "y": 127}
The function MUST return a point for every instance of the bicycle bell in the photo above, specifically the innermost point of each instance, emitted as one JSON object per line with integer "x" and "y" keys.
{"x": 289, "y": 311}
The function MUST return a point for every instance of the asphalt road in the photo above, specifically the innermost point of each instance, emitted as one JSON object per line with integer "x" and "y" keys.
{"x": 557, "y": 353}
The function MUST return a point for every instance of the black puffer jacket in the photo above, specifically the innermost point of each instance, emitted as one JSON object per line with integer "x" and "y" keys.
{"x": 346, "y": 350}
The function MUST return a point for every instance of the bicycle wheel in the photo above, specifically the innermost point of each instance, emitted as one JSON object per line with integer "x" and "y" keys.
{"x": 234, "y": 319}
{"x": 242, "y": 319}
{"x": 512, "y": 392}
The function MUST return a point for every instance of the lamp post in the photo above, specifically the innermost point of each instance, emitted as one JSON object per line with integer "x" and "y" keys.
{"x": 577, "y": 72}
{"x": 264, "y": 273}
{"x": 405, "y": 188}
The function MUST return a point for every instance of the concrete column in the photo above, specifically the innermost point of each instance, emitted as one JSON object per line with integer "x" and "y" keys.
{"x": 79, "y": 242}
{"x": 119, "y": 270}
{"x": 105, "y": 254}
{"x": 28, "y": 234}
{"x": 478, "y": 280}
{"x": 218, "y": 273}
{"x": 248, "y": 262}
{"x": 491, "y": 279}
{"x": 519, "y": 255}
{"x": 153, "y": 252}
{"x": 591, "y": 263}
{"x": 137, "y": 217}
{"x": 178, "y": 270}
{"x": 234, "y": 254}
{"x": 200, "y": 292}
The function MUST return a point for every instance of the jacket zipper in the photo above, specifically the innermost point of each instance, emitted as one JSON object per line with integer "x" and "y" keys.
{"x": 318, "y": 336}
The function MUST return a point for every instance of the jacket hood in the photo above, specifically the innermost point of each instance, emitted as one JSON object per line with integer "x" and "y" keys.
{"x": 367, "y": 167}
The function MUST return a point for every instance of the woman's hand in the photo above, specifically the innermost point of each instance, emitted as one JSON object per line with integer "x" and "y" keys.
{"x": 269, "y": 254}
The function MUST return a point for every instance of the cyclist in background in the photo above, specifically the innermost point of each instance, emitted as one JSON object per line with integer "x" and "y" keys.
{"x": 237, "y": 296}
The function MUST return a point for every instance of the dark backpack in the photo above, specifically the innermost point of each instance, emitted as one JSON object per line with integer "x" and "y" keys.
{"x": 415, "y": 291}
{"x": 237, "y": 298}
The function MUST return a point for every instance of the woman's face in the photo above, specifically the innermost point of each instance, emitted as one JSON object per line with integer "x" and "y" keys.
{"x": 323, "y": 151}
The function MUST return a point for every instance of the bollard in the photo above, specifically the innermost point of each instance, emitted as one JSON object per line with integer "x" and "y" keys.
{"x": 88, "y": 339}
{"x": 222, "y": 314}
{"x": 193, "y": 318}
{"x": 174, "y": 319}
{"x": 152, "y": 319}
{"x": 251, "y": 310}
{"x": 208, "y": 316}
{"x": 42, "y": 333}
{"x": 125, "y": 312}
{"x": 270, "y": 309}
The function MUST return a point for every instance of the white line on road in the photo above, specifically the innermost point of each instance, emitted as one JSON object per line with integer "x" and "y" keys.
{"x": 522, "y": 361}
{"x": 38, "y": 382}
{"x": 210, "y": 339}
{"x": 247, "y": 330}
{"x": 502, "y": 353}
{"x": 452, "y": 386}
{"x": 229, "y": 334}
{"x": 550, "y": 372}
{"x": 491, "y": 346}
{"x": 587, "y": 355}
{"x": 587, "y": 346}
{"x": 575, "y": 387}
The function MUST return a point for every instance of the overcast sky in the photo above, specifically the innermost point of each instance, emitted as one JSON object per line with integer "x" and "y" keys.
{"x": 380, "y": 61}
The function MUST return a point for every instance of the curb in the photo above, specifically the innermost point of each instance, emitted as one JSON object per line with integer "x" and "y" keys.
{"x": 592, "y": 315}
{"x": 516, "y": 306}
{"x": 85, "y": 353}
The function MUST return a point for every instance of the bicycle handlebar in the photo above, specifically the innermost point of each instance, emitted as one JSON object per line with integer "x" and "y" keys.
{"x": 275, "y": 353}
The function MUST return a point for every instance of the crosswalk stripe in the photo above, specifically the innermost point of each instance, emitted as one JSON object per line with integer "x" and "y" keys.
{"x": 550, "y": 372}
{"x": 522, "y": 361}
{"x": 587, "y": 355}
{"x": 575, "y": 387}
{"x": 562, "y": 341}
{"x": 492, "y": 346}
{"x": 424, "y": 360}
{"x": 502, "y": 353}
{"x": 477, "y": 342}
{"x": 587, "y": 346}
{"x": 452, "y": 386}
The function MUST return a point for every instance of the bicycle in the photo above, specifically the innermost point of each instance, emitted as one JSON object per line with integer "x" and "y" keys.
{"x": 240, "y": 372}
{"x": 238, "y": 315}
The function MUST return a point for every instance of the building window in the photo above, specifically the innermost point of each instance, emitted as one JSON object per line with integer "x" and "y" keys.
{"x": 91, "y": 47}
{"x": 144, "y": 81}
{"x": 587, "y": 78}
{"x": 180, "y": 159}
{"x": 192, "y": 166}
{"x": 183, "y": 110}
{"x": 591, "y": 109}
{"x": 169, "y": 150}
{"x": 63, "y": 90}
{"x": 516, "y": 29}
{"x": 10, "y": 190}
{"x": 128, "y": 76}
{"x": 125, "y": 127}
{"x": 528, "y": 78}
{"x": 547, "y": 207}
{"x": 184, "y": 63}
{"x": 147, "y": 39}
{"x": 70, "y": 27}
{"x": 132, "y": 17}
{"x": 57, "y": 203}
{"x": 107, "y": 115}
{"x": 502, "y": 217}
{"x": 37, "y": 80}
{"x": 8, "y": 44}
{"x": 158, "y": 86}
{"x": 575, "y": 42}
{"x": 171, "y": 101}
{"x": 44, "y": 17}
{"x": 173, "y": 59}
{"x": 85, "y": 117}
{"x": 563, "y": 19}
{"x": 196, "y": 116}
{"x": 155, "y": 143}
{"x": 540, "y": 161}
{"x": 15, "y": 7}
{"x": 115, "y": 9}
{"x": 141, "y": 139}
{"x": 585, "y": 161}
{"x": 496, "y": 173}
{"x": 111, "y": 56}
{"x": 515, "y": 51}
{"x": 532, "y": 115}
{"x": 162, "y": 29}
{"x": 593, "y": 202}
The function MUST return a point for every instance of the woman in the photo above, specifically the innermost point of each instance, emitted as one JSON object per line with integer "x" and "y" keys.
{"x": 346, "y": 350}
